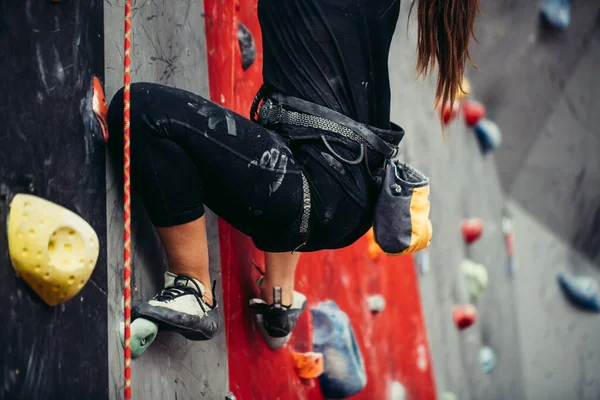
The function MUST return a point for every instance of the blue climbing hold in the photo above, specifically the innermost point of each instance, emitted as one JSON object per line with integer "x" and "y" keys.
{"x": 556, "y": 13}
{"x": 488, "y": 134}
{"x": 581, "y": 290}
{"x": 344, "y": 372}
{"x": 487, "y": 357}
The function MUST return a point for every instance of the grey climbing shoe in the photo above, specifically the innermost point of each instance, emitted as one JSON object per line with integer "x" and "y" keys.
{"x": 180, "y": 308}
{"x": 276, "y": 321}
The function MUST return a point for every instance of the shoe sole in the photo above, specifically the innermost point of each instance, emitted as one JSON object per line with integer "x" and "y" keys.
{"x": 165, "y": 326}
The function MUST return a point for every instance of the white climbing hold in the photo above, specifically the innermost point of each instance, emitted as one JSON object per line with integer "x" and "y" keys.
{"x": 397, "y": 391}
{"x": 376, "y": 303}
{"x": 476, "y": 277}
{"x": 487, "y": 357}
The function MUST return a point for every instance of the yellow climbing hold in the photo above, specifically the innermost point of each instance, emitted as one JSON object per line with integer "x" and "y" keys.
{"x": 53, "y": 249}
{"x": 466, "y": 89}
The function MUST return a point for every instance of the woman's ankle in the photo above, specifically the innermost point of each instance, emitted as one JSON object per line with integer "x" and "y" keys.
{"x": 287, "y": 291}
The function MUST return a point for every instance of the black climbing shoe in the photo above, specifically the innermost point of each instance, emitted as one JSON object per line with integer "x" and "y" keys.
{"x": 180, "y": 308}
{"x": 276, "y": 321}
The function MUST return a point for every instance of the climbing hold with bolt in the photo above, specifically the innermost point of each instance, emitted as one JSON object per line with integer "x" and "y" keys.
{"x": 376, "y": 303}
{"x": 487, "y": 358}
{"x": 556, "y": 14}
{"x": 247, "y": 46}
{"x": 488, "y": 135}
{"x": 447, "y": 113}
{"x": 448, "y": 396}
{"x": 344, "y": 373}
{"x": 580, "y": 290}
{"x": 464, "y": 316}
{"x": 464, "y": 90}
{"x": 308, "y": 365}
{"x": 53, "y": 249}
{"x": 99, "y": 107}
{"x": 397, "y": 391}
{"x": 143, "y": 333}
{"x": 476, "y": 277}
{"x": 472, "y": 229}
{"x": 473, "y": 112}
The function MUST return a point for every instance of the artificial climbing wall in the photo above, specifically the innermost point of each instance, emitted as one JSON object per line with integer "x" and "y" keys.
{"x": 394, "y": 343}
{"x": 168, "y": 47}
{"x": 51, "y": 146}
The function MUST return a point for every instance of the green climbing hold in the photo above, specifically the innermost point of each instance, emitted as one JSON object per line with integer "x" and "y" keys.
{"x": 449, "y": 396}
{"x": 476, "y": 277}
{"x": 143, "y": 333}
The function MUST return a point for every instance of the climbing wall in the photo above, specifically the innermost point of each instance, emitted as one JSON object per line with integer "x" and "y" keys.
{"x": 393, "y": 343}
{"x": 51, "y": 146}
{"x": 169, "y": 48}
{"x": 542, "y": 87}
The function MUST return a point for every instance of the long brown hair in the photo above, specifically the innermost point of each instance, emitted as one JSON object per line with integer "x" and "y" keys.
{"x": 444, "y": 30}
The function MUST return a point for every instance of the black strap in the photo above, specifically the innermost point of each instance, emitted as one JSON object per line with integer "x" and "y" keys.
{"x": 315, "y": 109}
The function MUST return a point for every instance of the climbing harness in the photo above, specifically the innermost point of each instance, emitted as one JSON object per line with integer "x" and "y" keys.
{"x": 127, "y": 200}
{"x": 401, "y": 217}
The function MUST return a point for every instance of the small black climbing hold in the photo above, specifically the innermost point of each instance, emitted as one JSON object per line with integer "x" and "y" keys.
{"x": 247, "y": 46}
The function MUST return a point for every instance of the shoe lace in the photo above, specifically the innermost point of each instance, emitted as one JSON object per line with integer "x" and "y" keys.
{"x": 180, "y": 288}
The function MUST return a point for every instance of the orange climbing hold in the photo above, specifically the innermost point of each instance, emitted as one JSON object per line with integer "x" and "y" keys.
{"x": 99, "y": 107}
{"x": 308, "y": 365}
{"x": 372, "y": 246}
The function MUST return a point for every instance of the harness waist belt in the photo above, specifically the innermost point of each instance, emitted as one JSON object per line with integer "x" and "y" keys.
{"x": 273, "y": 113}
{"x": 312, "y": 115}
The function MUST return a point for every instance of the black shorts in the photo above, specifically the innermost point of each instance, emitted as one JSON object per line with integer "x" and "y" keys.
{"x": 283, "y": 189}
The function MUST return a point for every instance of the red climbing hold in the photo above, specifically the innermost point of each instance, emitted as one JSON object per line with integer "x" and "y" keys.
{"x": 448, "y": 113}
{"x": 472, "y": 229}
{"x": 464, "y": 316}
{"x": 99, "y": 107}
{"x": 473, "y": 111}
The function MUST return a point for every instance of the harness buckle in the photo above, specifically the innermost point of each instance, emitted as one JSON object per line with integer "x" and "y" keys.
{"x": 270, "y": 112}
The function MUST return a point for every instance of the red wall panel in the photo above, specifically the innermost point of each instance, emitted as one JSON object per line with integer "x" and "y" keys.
{"x": 393, "y": 343}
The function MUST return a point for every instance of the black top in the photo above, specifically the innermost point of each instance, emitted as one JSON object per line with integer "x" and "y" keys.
{"x": 331, "y": 52}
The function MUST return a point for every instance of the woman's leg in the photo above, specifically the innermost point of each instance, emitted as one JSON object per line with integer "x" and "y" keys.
{"x": 279, "y": 272}
{"x": 187, "y": 252}
{"x": 187, "y": 152}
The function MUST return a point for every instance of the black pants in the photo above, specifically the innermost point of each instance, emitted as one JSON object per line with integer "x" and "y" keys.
{"x": 187, "y": 152}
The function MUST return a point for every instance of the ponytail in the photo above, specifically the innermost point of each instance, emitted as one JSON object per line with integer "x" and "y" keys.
{"x": 444, "y": 30}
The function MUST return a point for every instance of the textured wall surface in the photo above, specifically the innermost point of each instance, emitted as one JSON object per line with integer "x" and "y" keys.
{"x": 540, "y": 87}
{"x": 168, "y": 47}
{"x": 51, "y": 146}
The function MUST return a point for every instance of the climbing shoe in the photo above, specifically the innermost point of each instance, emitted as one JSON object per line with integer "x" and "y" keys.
{"x": 180, "y": 308}
{"x": 276, "y": 321}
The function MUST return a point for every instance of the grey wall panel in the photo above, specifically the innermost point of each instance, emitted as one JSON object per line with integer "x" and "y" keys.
{"x": 559, "y": 181}
{"x": 523, "y": 70}
{"x": 168, "y": 47}
{"x": 561, "y": 349}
